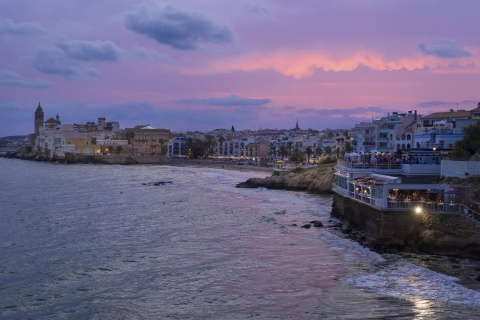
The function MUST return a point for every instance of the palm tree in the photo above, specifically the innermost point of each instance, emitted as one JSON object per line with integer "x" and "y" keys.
{"x": 130, "y": 138}
{"x": 118, "y": 149}
{"x": 290, "y": 144}
{"x": 221, "y": 140}
{"x": 189, "y": 142}
{"x": 209, "y": 141}
{"x": 328, "y": 150}
{"x": 273, "y": 151}
{"x": 283, "y": 151}
{"x": 309, "y": 152}
{"x": 163, "y": 149}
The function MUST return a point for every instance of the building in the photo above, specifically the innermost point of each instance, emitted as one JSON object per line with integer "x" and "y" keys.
{"x": 39, "y": 119}
{"x": 145, "y": 139}
{"x": 440, "y": 130}
{"x": 396, "y": 131}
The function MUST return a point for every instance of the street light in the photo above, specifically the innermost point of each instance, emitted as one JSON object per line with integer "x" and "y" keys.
{"x": 418, "y": 209}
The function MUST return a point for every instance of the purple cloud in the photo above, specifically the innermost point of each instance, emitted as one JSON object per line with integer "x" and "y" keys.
{"x": 13, "y": 79}
{"x": 54, "y": 61}
{"x": 8, "y": 27}
{"x": 179, "y": 29}
{"x": 444, "y": 49}
{"x": 232, "y": 100}
{"x": 90, "y": 50}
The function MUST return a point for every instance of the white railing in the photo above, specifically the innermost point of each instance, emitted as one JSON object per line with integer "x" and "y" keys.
{"x": 370, "y": 166}
{"x": 432, "y": 207}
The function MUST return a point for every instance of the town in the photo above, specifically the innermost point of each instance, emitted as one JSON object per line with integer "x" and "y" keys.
{"x": 396, "y": 133}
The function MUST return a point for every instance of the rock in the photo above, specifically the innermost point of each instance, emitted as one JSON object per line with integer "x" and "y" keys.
{"x": 306, "y": 226}
{"x": 317, "y": 180}
{"x": 316, "y": 223}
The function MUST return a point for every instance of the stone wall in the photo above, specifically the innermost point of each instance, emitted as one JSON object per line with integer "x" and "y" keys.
{"x": 460, "y": 169}
{"x": 432, "y": 232}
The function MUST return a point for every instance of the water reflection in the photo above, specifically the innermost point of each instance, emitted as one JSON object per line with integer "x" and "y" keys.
{"x": 422, "y": 308}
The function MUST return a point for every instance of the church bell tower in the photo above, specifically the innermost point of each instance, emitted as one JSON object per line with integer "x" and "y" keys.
{"x": 39, "y": 118}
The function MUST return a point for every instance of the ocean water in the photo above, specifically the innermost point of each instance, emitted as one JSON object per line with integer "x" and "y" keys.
{"x": 161, "y": 242}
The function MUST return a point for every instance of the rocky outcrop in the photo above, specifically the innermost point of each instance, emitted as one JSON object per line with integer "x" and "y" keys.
{"x": 430, "y": 232}
{"x": 316, "y": 180}
{"x": 468, "y": 189}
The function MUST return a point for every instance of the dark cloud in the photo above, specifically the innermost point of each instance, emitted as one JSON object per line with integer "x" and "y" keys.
{"x": 133, "y": 113}
{"x": 54, "y": 61}
{"x": 90, "y": 50}
{"x": 444, "y": 49}
{"x": 8, "y": 27}
{"x": 13, "y": 79}
{"x": 435, "y": 104}
{"x": 447, "y": 105}
{"x": 179, "y": 29}
{"x": 227, "y": 101}
{"x": 67, "y": 58}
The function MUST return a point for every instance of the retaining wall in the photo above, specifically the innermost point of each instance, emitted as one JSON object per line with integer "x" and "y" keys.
{"x": 432, "y": 232}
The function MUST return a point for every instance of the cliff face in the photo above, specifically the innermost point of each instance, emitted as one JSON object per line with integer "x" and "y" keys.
{"x": 469, "y": 189}
{"x": 431, "y": 232}
{"x": 316, "y": 180}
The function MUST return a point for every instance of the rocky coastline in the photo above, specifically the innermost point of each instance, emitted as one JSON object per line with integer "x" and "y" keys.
{"x": 447, "y": 254}
{"x": 317, "y": 179}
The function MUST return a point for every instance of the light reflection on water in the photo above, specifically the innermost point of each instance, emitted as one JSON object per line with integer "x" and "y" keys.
{"x": 103, "y": 242}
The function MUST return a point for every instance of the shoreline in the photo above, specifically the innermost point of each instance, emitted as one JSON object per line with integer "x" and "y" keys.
{"x": 218, "y": 165}
{"x": 467, "y": 271}
{"x": 144, "y": 160}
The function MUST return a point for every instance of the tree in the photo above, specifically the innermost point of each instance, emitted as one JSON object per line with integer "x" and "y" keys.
{"x": 283, "y": 151}
{"x": 117, "y": 149}
{"x": 273, "y": 151}
{"x": 309, "y": 152}
{"x": 328, "y": 150}
{"x": 221, "y": 140}
{"x": 209, "y": 143}
{"x": 290, "y": 145}
{"x": 163, "y": 146}
{"x": 233, "y": 129}
{"x": 318, "y": 151}
{"x": 470, "y": 144}
{"x": 189, "y": 143}
{"x": 348, "y": 147}
{"x": 297, "y": 156}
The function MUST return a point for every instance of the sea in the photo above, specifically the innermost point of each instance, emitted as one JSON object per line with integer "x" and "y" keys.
{"x": 90, "y": 241}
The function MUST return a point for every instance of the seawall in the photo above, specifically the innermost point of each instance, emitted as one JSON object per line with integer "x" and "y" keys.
{"x": 441, "y": 233}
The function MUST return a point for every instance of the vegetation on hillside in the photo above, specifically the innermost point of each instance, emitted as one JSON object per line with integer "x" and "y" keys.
{"x": 469, "y": 145}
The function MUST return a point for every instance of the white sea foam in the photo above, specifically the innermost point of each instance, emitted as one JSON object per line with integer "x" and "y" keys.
{"x": 404, "y": 280}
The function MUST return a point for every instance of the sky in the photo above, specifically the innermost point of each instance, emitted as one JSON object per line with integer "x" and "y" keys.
{"x": 201, "y": 65}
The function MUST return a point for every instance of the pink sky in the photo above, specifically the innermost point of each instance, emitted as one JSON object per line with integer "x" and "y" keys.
{"x": 200, "y": 65}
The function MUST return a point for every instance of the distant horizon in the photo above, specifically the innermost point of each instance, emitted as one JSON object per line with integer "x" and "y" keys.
{"x": 196, "y": 65}
{"x": 472, "y": 105}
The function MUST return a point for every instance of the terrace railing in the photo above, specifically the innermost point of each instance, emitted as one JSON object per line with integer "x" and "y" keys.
{"x": 433, "y": 207}
{"x": 382, "y": 167}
